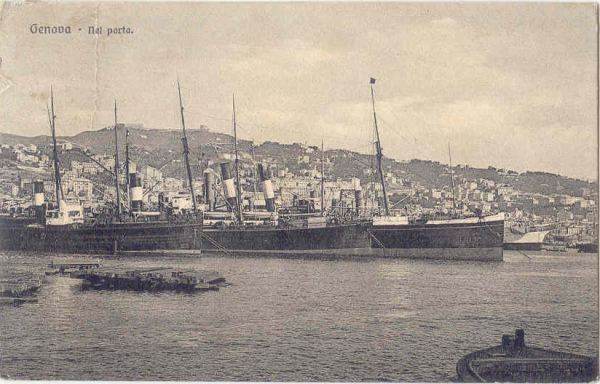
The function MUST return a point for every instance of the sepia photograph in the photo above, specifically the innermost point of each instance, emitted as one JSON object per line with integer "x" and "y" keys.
{"x": 299, "y": 191}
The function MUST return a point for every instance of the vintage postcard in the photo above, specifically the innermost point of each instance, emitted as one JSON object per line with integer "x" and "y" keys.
{"x": 299, "y": 191}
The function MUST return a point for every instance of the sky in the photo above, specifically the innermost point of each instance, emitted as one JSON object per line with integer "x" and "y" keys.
{"x": 511, "y": 85}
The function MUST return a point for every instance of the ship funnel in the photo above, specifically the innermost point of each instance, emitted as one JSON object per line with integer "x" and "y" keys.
{"x": 135, "y": 192}
{"x": 229, "y": 186}
{"x": 357, "y": 192}
{"x": 38, "y": 201}
{"x": 208, "y": 190}
{"x": 267, "y": 188}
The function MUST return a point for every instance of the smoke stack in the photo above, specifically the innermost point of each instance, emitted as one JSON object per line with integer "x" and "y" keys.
{"x": 267, "y": 188}
{"x": 208, "y": 190}
{"x": 228, "y": 186}
{"x": 38, "y": 201}
{"x": 357, "y": 192}
{"x": 136, "y": 193}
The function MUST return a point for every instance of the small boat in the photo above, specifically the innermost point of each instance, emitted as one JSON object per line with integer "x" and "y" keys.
{"x": 513, "y": 361}
{"x": 591, "y": 247}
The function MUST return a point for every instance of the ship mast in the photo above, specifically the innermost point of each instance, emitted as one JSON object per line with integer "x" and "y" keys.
{"x": 127, "y": 167}
{"x": 117, "y": 186}
{"x": 237, "y": 166}
{"x": 379, "y": 154}
{"x": 322, "y": 180}
{"x": 57, "y": 181}
{"x": 186, "y": 150}
{"x": 452, "y": 179}
{"x": 254, "y": 175}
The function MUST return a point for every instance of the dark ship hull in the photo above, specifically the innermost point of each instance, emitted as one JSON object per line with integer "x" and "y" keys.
{"x": 343, "y": 239}
{"x": 16, "y": 221}
{"x": 452, "y": 240}
{"x": 458, "y": 239}
{"x": 587, "y": 247}
{"x": 119, "y": 237}
{"x": 99, "y": 238}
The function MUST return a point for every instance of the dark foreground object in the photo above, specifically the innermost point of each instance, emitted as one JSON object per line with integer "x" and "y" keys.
{"x": 154, "y": 280}
{"x": 514, "y": 362}
{"x": 588, "y": 247}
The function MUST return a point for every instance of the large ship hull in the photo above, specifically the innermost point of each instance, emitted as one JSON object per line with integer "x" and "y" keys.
{"x": 107, "y": 238}
{"x": 466, "y": 239}
{"x": 458, "y": 239}
{"x": 287, "y": 240}
{"x": 119, "y": 237}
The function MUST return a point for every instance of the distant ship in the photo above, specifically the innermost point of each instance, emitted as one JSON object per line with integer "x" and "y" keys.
{"x": 530, "y": 241}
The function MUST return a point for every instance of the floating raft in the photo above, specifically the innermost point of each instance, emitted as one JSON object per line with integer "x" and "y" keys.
{"x": 514, "y": 362}
{"x": 149, "y": 279}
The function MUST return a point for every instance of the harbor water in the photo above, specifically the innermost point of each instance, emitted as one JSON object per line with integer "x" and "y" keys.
{"x": 300, "y": 320}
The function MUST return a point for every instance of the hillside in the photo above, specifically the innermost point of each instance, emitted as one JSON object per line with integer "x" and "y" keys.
{"x": 161, "y": 148}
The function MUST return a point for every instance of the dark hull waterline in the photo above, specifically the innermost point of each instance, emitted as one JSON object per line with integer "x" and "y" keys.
{"x": 468, "y": 241}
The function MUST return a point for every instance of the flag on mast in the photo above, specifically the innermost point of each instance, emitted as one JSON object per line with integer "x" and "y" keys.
{"x": 372, "y": 80}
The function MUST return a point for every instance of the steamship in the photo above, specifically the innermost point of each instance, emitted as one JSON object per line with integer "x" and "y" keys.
{"x": 454, "y": 238}
{"x": 304, "y": 232}
{"x": 62, "y": 227}
{"x": 468, "y": 238}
